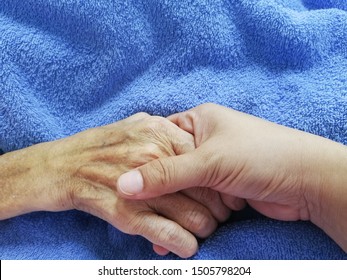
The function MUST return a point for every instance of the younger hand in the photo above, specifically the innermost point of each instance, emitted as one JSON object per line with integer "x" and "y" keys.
{"x": 238, "y": 155}
{"x": 283, "y": 173}
{"x": 277, "y": 170}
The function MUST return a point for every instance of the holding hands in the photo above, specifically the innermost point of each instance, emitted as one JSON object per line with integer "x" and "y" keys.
{"x": 173, "y": 179}
{"x": 283, "y": 173}
{"x": 80, "y": 172}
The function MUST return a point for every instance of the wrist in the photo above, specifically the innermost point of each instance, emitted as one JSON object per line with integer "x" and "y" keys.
{"x": 326, "y": 190}
{"x": 28, "y": 183}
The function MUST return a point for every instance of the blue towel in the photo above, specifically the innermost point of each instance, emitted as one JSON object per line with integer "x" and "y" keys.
{"x": 66, "y": 66}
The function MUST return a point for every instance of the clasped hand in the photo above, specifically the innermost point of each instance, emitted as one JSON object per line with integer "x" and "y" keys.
{"x": 81, "y": 171}
{"x": 283, "y": 173}
{"x": 173, "y": 179}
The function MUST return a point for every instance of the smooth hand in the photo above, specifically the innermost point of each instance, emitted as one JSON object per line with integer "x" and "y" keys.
{"x": 283, "y": 173}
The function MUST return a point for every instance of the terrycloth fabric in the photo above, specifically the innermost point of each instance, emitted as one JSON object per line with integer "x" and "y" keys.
{"x": 66, "y": 66}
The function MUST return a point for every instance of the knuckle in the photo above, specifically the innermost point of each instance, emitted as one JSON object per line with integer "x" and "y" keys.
{"x": 207, "y": 106}
{"x": 153, "y": 150}
{"x": 148, "y": 153}
{"x": 213, "y": 201}
{"x": 169, "y": 233}
{"x": 201, "y": 224}
{"x": 141, "y": 115}
{"x": 156, "y": 123}
{"x": 148, "y": 150}
{"x": 211, "y": 105}
{"x": 159, "y": 120}
{"x": 136, "y": 225}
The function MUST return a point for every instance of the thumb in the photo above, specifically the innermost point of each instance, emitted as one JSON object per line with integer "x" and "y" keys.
{"x": 161, "y": 176}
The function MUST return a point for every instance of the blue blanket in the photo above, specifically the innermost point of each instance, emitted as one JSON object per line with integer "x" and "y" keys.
{"x": 66, "y": 66}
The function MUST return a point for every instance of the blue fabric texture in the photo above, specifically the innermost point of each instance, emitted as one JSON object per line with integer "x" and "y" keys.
{"x": 66, "y": 66}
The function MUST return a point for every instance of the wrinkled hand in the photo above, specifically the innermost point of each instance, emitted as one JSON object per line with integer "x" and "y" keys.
{"x": 80, "y": 172}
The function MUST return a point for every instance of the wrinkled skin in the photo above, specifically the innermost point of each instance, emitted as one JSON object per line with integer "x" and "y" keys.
{"x": 80, "y": 172}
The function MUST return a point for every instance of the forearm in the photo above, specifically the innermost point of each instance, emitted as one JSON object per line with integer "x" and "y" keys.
{"x": 26, "y": 183}
{"x": 327, "y": 196}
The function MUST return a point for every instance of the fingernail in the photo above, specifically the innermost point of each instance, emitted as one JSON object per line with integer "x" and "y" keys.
{"x": 130, "y": 183}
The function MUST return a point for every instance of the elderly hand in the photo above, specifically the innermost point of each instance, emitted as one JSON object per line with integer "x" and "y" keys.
{"x": 80, "y": 172}
{"x": 283, "y": 173}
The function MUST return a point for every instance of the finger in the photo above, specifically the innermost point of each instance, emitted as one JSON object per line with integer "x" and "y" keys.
{"x": 160, "y": 250}
{"x": 184, "y": 120}
{"x": 136, "y": 117}
{"x": 182, "y": 142}
{"x": 210, "y": 199}
{"x": 233, "y": 202}
{"x": 188, "y": 213}
{"x": 162, "y": 176}
{"x": 157, "y": 229}
{"x": 166, "y": 234}
{"x": 174, "y": 118}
